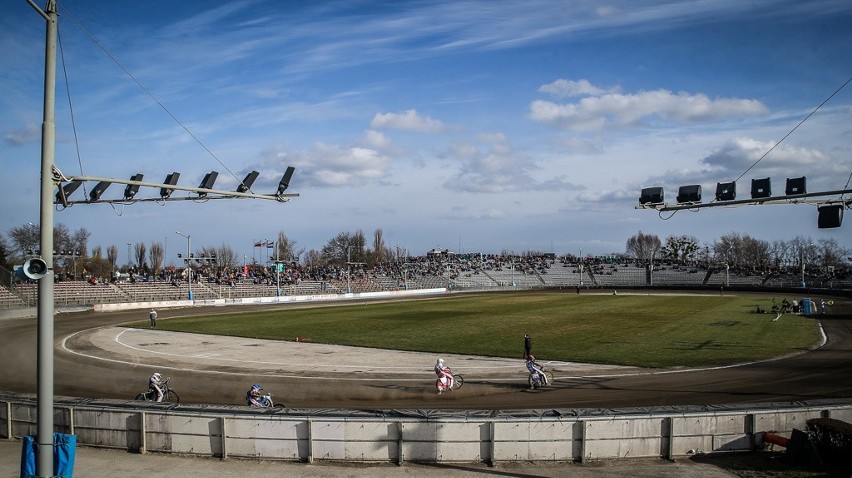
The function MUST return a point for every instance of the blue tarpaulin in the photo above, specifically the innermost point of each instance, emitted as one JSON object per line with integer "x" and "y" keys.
{"x": 64, "y": 451}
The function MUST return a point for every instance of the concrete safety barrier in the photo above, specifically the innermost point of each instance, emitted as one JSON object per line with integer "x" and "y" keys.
{"x": 296, "y": 435}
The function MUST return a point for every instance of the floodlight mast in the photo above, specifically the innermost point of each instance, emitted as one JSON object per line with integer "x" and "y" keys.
{"x": 188, "y": 260}
{"x": 44, "y": 414}
{"x": 51, "y": 177}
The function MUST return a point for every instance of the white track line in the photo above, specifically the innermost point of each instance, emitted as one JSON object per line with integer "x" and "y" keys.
{"x": 823, "y": 340}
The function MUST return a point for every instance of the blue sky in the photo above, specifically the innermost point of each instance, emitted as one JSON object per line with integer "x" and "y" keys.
{"x": 469, "y": 125}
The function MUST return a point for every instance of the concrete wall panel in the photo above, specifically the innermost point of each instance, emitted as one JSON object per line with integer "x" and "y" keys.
{"x": 731, "y": 442}
{"x": 621, "y": 427}
{"x": 428, "y": 440}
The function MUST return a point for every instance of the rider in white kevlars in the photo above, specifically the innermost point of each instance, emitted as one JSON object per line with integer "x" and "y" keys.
{"x": 444, "y": 374}
{"x": 253, "y": 398}
{"x": 155, "y": 383}
{"x": 534, "y": 368}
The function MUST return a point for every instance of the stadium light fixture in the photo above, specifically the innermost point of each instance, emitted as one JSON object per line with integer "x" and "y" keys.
{"x": 99, "y": 189}
{"x": 131, "y": 189}
{"x": 689, "y": 194}
{"x": 207, "y": 182}
{"x": 652, "y": 195}
{"x": 761, "y": 188}
{"x": 726, "y": 191}
{"x": 170, "y": 180}
{"x": 67, "y": 190}
{"x": 830, "y": 216}
{"x": 795, "y": 186}
{"x": 247, "y": 182}
{"x": 285, "y": 180}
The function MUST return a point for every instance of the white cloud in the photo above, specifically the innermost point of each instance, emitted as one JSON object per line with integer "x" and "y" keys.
{"x": 328, "y": 165}
{"x": 740, "y": 153}
{"x": 376, "y": 139}
{"x": 28, "y": 134}
{"x": 495, "y": 167}
{"x": 409, "y": 120}
{"x": 608, "y": 109}
{"x": 568, "y": 88}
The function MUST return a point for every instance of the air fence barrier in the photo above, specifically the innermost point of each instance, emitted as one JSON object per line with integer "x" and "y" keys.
{"x": 416, "y": 436}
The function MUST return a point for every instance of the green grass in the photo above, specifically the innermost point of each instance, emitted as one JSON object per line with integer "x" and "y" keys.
{"x": 649, "y": 331}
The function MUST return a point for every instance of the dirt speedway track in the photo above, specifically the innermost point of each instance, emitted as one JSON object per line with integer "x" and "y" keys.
{"x": 96, "y": 357}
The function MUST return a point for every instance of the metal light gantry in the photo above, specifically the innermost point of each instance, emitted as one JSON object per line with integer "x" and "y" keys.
{"x": 689, "y": 197}
{"x": 203, "y": 192}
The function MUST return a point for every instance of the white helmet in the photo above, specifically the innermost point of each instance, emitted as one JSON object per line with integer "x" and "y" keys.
{"x": 440, "y": 361}
{"x": 156, "y": 377}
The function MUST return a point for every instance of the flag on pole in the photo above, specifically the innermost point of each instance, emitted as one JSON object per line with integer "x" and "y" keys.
{"x": 270, "y": 244}
{"x": 258, "y": 244}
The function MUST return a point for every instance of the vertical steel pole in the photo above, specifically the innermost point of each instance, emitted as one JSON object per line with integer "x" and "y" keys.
{"x": 189, "y": 264}
{"x": 44, "y": 464}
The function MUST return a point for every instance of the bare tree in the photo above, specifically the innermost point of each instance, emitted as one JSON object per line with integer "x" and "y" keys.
{"x": 344, "y": 247}
{"x": 287, "y": 248}
{"x": 379, "y": 252}
{"x": 79, "y": 241}
{"x": 314, "y": 258}
{"x": 359, "y": 247}
{"x": 157, "y": 254}
{"x": 830, "y": 254}
{"x": 139, "y": 252}
{"x": 24, "y": 238}
{"x": 644, "y": 247}
{"x": 4, "y": 253}
{"x": 112, "y": 256}
{"x": 226, "y": 258}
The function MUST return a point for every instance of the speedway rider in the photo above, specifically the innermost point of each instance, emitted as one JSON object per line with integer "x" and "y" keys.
{"x": 155, "y": 384}
{"x": 253, "y": 397}
{"x": 444, "y": 374}
{"x": 535, "y": 369}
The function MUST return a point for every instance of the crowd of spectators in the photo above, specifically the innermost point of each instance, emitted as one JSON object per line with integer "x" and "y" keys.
{"x": 448, "y": 267}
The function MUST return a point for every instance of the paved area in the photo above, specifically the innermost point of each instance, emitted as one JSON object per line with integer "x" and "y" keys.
{"x": 96, "y": 462}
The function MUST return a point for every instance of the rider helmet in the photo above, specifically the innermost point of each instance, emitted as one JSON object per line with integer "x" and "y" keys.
{"x": 156, "y": 377}
{"x": 256, "y": 387}
{"x": 440, "y": 361}
{"x": 531, "y": 357}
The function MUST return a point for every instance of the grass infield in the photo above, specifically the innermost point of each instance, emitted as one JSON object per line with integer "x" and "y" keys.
{"x": 640, "y": 330}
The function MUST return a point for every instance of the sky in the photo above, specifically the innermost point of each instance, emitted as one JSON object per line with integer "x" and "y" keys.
{"x": 474, "y": 126}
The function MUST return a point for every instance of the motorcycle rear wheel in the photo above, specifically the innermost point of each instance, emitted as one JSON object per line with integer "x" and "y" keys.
{"x": 458, "y": 381}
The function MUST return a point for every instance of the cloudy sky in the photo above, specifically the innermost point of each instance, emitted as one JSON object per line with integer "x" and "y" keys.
{"x": 468, "y": 125}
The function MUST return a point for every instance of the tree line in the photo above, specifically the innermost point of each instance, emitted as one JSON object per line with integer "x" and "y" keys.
{"x": 739, "y": 251}
{"x": 73, "y": 256}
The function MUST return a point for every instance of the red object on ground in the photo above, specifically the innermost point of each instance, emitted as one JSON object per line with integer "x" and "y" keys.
{"x": 776, "y": 439}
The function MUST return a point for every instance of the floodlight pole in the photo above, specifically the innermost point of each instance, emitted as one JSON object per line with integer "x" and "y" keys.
{"x": 188, "y": 260}
{"x": 277, "y": 272}
{"x": 580, "y": 260}
{"x": 44, "y": 417}
{"x": 802, "y": 260}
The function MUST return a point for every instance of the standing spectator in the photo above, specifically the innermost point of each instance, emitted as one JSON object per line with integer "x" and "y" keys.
{"x": 527, "y": 345}
{"x": 153, "y": 316}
